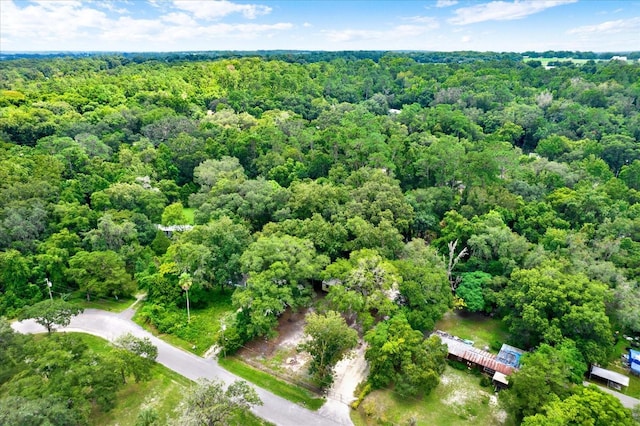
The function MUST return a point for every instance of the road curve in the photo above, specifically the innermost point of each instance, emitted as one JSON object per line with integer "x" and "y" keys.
{"x": 277, "y": 410}
{"x": 626, "y": 400}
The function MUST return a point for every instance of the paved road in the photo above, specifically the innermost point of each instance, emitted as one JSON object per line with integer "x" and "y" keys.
{"x": 277, "y": 410}
{"x": 626, "y": 400}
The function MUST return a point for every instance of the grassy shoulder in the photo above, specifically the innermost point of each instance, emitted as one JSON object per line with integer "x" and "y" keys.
{"x": 483, "y": 330}
{"x": 198, "y": 335}
{"x": 285, "y": 390}
{"x": 79, "y": 298}
{"x": 162, "y": 393}
{"x": 458, "y": 400}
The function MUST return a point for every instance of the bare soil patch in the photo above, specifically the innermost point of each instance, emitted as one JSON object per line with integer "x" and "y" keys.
{"x": 279, "y": 356}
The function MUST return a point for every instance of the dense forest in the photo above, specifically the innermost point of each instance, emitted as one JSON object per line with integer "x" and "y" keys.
{"x": 411, "y": 185}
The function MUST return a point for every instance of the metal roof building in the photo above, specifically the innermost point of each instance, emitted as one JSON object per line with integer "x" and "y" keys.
{"x": 464, "y": 351}
{"x": 614, "y": 380}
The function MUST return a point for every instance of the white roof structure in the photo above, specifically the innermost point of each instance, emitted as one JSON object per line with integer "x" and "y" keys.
{"x": 499, "y": 377}
{"x": 610, "y": 376}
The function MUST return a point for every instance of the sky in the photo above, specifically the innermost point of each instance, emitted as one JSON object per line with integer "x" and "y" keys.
{"x": 434, "y": 25}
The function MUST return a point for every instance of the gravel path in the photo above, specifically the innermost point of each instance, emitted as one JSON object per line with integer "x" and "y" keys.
{"x": 277, "y": 410}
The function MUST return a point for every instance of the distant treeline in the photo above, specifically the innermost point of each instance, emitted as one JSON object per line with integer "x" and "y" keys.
{"x": 302, "y": 57}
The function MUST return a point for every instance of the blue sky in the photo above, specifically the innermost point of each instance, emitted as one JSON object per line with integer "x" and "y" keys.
{"x": 443, "y": 25}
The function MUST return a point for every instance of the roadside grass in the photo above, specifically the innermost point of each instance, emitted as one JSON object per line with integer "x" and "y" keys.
{"x": 285, "y": 390}
{"x": 188, "y": 212}
{"x": 483, "y": 330}
{"x": 201, "y": 333}
{"x": 162, "y": 393}
{"x": 79, "y": 298}
{"x": 458, "y": 400}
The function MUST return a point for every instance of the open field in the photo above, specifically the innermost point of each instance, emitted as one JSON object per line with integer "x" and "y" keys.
{"x": 545, "y": 61}
{"x": 483, "y": 330}
{"x": 458, "y": 400}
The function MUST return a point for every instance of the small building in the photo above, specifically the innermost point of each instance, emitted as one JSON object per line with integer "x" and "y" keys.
{"x": 619, "y": 58}
{"x": 634, "y": 361}
{"x": 500, "y": 381}
{"x": 327, "y": 284}
{"x": 170, "y": 229}
{"x": 614, "y": 380}
{"x": 464, "y": 351}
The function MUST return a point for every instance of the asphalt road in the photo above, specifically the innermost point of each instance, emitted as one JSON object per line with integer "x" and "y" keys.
{"x": 626, "y": 400}
{"x": 277, "y": 410}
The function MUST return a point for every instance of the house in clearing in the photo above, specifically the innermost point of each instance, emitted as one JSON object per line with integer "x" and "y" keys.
{"x": 497, "y": 366}
{"x": 170, "y": 229}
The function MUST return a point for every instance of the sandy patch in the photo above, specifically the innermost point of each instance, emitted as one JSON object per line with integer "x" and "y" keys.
{"x": 348, "y": 373}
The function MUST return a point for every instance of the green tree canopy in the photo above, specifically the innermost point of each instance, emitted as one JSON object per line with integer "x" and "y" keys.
{"x": 548, "y": 304}
{"x": 400, "y": 355}
{"x": 208, "y": 403}
{"x": 51, "y": 313}
{"x": 329, "y": 340}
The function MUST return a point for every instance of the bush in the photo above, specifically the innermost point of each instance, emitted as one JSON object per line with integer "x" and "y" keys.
{"x": 460, "y": 366}
{"x": 361, "y": 396}
{"x": 230, "y": 341}
{"x": 485, "y": 381}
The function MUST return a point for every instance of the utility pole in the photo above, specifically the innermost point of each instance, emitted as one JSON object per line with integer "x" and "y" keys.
{"x": 49, "y": 285}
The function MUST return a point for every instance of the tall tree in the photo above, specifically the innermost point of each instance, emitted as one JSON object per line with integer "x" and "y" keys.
{"x": 51, "y": 313}
{"x": 101, "y": 273}
{"x": 546, "y": 375}
{"x": 208, "y": 403}
{"x": 547, "y": 304}
{"x": 329, "y": 340}
{"x": 586, "y": 406}
{"x": 400, "y": 355}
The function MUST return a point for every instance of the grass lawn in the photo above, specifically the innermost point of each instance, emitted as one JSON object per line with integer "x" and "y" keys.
{"x": 458, "y": 400}
{"x": 483, "y": 330}
{"x": 188, "y": 213}
{"x": 162, "y": 393}
{"x": 288, "y": 391}
{"x": 200, "y": 334}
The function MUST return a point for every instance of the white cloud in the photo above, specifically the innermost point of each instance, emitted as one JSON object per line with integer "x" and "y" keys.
{"x": 110, "y": 5}
{"x": 307, "y": 25}
{"x": 431, "y": 21}
{"x": 72, "y": 25}
{"x": 396, "y": 33}
{"x": 215, "y": 9}
{"x": 60, "y": 20}
{"x": 446, "y": 3}
{"x": 631, "y": 25}
{"x": 503, "y": 11}
{"x": 179, "y": 18}
{"x": 465, "y": 39}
